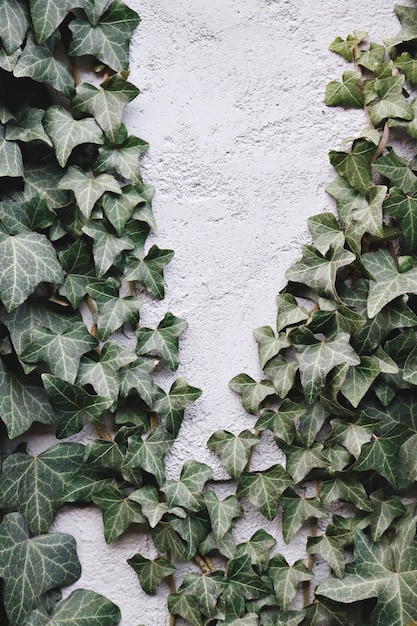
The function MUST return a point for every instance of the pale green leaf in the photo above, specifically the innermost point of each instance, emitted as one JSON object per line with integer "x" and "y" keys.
{"x": 348, "y": 93}
{"x": 171, "y": 406}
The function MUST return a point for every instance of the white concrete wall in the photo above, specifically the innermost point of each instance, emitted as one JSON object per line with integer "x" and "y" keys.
{"x": 232, "y": 105}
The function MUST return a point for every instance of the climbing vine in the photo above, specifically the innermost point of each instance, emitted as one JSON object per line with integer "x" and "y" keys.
{"x": 340, "y": 366}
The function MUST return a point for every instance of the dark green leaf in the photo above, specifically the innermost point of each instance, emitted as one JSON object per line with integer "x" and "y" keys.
{"x": 148, "y": 454}
{"x": 151, "y": 572}
{"x": 187, "y": 491}
{"x": 286, "y": 578}
{"x": 232, "y": 450}
{"x": 264, "y": 489}
{"x": 149, "y": 270}
{"x": 298, "y": 510}
{"x": 252, "y": 393}
{"x": 162, "y": 341}
{"x": 348, "y": 93}
{"x": 118, "y": 511}
{"x": 397, "y": 170}
{"x": 171, "y": 406}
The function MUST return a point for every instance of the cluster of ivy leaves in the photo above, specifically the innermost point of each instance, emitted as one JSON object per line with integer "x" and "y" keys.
{"x": 340, "y": 366}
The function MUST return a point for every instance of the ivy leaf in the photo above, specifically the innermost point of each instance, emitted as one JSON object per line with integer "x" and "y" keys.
{"x": 316, "y": 358}
{"x": 41, "y": 181}
{"x": 113, "y": 311}
{"x": 8, "y": 62}
{"x": 151, "y": 572}
{"x": 137, "y": 376}
{"x": 347, "y": 93}
{"x": 221, "y": 513}
{"x": 163, "y": 340}
{"x": 408, "y": 65}
{"x": 106, "y": 103}
{"x": 187, "y": 491}
{"x": 28, "y": 126}
{"x": 244, "y": 581}
{"x": 47, "y": 15}
{"x": 27, "y": 259}
{"x": 232, "y": 450}
{"x": 252, "y": 393}
{"x": 404, "y": 208}
{"x": 286, "y": 578}
{"x": 109, "y": 39}
{"x": 387, "y": 283}
{"x": 100, "y": 453}
{"x": 258, "y": 548}
{"x": 345, "y": 490}
{"x": 355, "y": 166}
{"x": 205, "y": 589}
{"x": 152, "y": 508}
{"x": 106, "y": 246}
{"x": 149, "y": 270}
{"x": 397, "y": 170}
{"x": 148, "y": 454}
{"x": 387, "y": 573}
{"x": 192, "y": 529}
{"x": 372, "y": 58}
{"x": 123, "y": 158}
{"x": 269, "y": 345}
{"x": 28, "y": 216}
{"x": 279, "y": 618}
{"x": 80, "y": 607}
{"x": 264, "y": 489}
{"x": 22, "y": 401}
{"x": 381, "y": 454}
{"x": 319, "y": 271}
{"x": 283, "y": 421}
{"x": 85, "y": 482}
{"x": 11, "y": 158}
{"x": 330, "y": 546}
{"x": 87, "y": 189}
{"x": 301, "y": 460}
{"x": 359, "y": 379}
{"x": 282, "y": 373}
{"x": 384, "y": 513}
{"x": 134, "y": 201}
{"x": 102, "y": 370}
{"x": 408, "y": 20}
{"x": 60, "y": 351}
{"x": 34, "y": 485}
{"x": 171, "y": 406}
{"x": 392, "y": 102}
{"x": 31, "y": 567}
{"x": 290, "y": 313}
{"x": 78, "y": 266}
{"x": 118, "y": 511}
{"x": 185, "y": 606}
{"x": 341, "y": 319}
{"x": 225, "y": 546}
{"x": 39, "y": 63}
{"x": 346, "y": 47}
{"x": 14, "y": 16}
{"x": 326, "y": 232}
{"x": 71, "y": 404}
{"x": 296, "y": 511}
{"x": 67, "y": 133}
{"x": 166, "y": 539}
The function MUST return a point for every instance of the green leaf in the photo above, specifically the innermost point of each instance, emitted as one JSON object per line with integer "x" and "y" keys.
{"x": 397, "y": 170}
{"x": 282, "y": 422}
{"x": 31, "y": 567}
{"x": 326, "y": 232}
{"x": 346, "y": 47}
{"x": 60, "y": 351}
{"x": 102, "y": 370}
{"x": 330, "y": 547}
{"x": 316, "y": 358}
{"x": 171, "y": 406}
{"x": 78, "y": 266}
{"x": 109, "y": 40}
{"x": 100, "y": 453}
{"x": 166, "y": 539}
{"x": 33, "y": 485}
{"x": 29, "y": 216}
{"x": 205, "y": 589}
{"x": 355, "y": 166}
{"x": 151, "y": 507}
{"x": 286, "y": 578}
{"x": 301, "y": 460}
{"x": 11, "y": 158}
{"x": 408, "y": 20}
{"x": 8, "y": 62}
{"x": 47, "y": 15}
{"x": 282, "y": 373}
{"x": 372, "y": 58}
{"x": 225, "y": 546}
{"x": 244, "y": 581}
{"x": 81, "y": 607}
{"x": 185, "y": 606}
{"x": 404, "y": 208}
{"x": 39, "y": 63}
{"x": 192, "y": 529}
{"x": 353, "y": 435}
{"x": 106, "y": 103}
{"x": 387, "y": 573}
{"x": 187, "y": 491}
{"x": 384, "y": 513}
{"x": 137, "y": 376}
{"x": 149, "y": 270}
{"x": 387, "y": 283}
{"x": 348, "y": 93}
{"x": 252, "y": 393}
{"x": 14, "y": 17}
{"x": 28, "y": 126}
{"x": 290, "y": 313}
{"x": 148, "y": 454}
{"x": 319, "y": 271}
{"x": 67, "y": 133}
{"x": 279, "y": 618}
{"x": 221, "y": 513}
{"x": 106, "y": 246}
{"x": 71, "y": 404}
{"x": 113, "y": 311}
{"x": 408, "y": 65}
{"x": 258, "y": 549}
{"x": 269, "y": 345}
{"x": 298, "y": 510}
{"x": 134, "y": 201}
{"x": 118, "y": 511}
{"x": 123, "y": 158}
{"x": 85, "y": 482}
{"x": 232, "y": 450}
{"x": 392, "y": 102}
{"x": 381, "y": 454}
{"x": 359, "y": 379}
{"x": 162, "y": 341}
{"x": 151, "y": 572}
{"x": 264, "y": 489}
{"x": 22, "y": 402}
{"x": 27, "y": 259}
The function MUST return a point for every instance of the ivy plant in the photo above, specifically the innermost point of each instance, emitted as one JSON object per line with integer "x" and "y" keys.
{"x": 339, "y": 388}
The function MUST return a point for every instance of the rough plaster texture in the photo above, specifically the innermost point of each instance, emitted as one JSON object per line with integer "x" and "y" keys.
{"x": 232, "y": 105}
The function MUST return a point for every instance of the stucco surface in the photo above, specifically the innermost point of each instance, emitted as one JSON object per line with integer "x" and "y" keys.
{"x": 232, "y": 105}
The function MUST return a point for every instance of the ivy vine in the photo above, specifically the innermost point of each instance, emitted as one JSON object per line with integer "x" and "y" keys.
{"x": 340, "y": 365}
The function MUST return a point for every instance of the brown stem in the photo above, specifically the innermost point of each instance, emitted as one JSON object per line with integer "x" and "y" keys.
{"x": 132, "y": 287}
{"x": 202, "y": 564}
{"x": 103, "y": 434}
{"x": 365, "y": 108}
{"x": 93, "y": 310}
{"x": 153, "y": 420}
{"x": 382, "y": 144}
